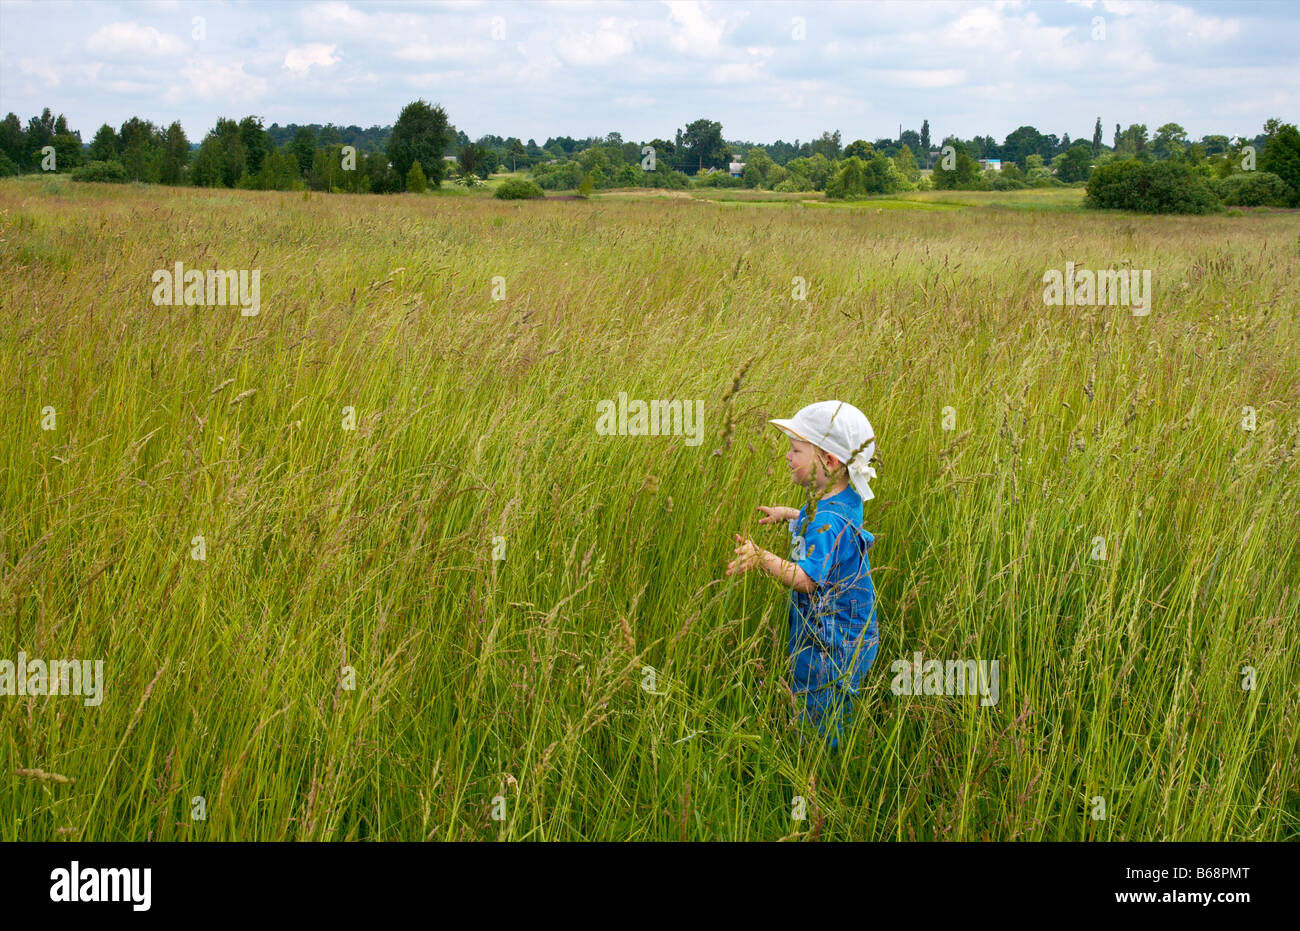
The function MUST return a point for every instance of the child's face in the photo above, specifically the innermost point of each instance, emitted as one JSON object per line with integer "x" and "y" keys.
{"x": 808, "y": 466}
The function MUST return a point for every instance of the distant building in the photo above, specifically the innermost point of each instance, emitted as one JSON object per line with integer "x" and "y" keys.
{"x": 991, "y": 164}
{"x": 737, "y": 167}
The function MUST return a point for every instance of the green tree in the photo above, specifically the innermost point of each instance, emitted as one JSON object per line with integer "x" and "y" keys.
{"x": 234, "y": 161}
{"x": 175, "y": 155}
{"x": 468, "y": 160}
{"x": 206, "y": 168}
{"x": 104, "y": 147}
{"x": 1132, "y": 140}
{"x": 758, "y": 159}
{"x": 67, "y": 150}
{"x": 1096, "y": 138}
{"x": 925, "y": 143}
{"x": 1170, "y": 140}
{"x": 303, "y": 148}
{"x": 813, "y": 171}
{"x": 39, "y": 132}
{"x": 586, "y": 187}
{"x": 515, "y": 152}
{"x": 420, "y": 133}
{"x": 861, "y": 148}
{"x": 828, "y": 145}
{"x": 849, "y": 180}
{"x": 1281, "y": 155}
{"x": 702, "y": 146}
{"x": 907, "y": 166}
{"x": 220, "y": 161}
{"x": 1023, "y": 142}
{"x": 140, "y": 148}
{"x": 1075, "y": 163}
{"x": 12, "y": 142}
{"x": 1215, "y": 145}
{"x": 257, "y": 142}
{"x": 415, "y": 180}
{"x": 963, "y": 175}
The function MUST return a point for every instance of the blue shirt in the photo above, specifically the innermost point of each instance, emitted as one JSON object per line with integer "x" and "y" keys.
{"x": 839, "y": 618}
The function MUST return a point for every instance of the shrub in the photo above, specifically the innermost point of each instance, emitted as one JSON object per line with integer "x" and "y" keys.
{"x": 519, "y": 189}
{"x": 1150, "y": 187}
{"x": 1252, "y": 189}
{"x": 1001, "y": 181}
{"x": 562, "y": 176}
{"x": 113, "y": 172}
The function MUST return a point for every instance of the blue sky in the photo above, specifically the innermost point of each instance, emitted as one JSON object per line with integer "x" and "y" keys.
{"x": 645, "y": 69}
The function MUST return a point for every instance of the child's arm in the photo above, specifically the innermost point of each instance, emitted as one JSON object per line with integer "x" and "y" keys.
{"x": 777, "y": 514}
{"x": 750, "y": 556}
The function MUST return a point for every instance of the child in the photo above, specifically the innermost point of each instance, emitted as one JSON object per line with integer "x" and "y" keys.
{"x": 833, "y": 634}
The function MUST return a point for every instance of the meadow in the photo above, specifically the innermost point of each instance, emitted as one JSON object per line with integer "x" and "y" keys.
{"x": 434, "y": 603}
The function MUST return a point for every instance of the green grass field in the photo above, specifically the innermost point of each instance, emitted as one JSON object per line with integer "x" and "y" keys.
{"x": 350, "y": 660}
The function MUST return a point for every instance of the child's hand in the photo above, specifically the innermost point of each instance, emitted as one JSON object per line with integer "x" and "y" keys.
{"x": 747, "y": 556}
{"x": 777, "y": 514}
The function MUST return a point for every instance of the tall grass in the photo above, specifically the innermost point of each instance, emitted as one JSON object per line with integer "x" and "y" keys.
{"x": 526, "y": 678}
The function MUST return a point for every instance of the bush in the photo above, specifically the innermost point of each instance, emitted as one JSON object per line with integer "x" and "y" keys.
{"x": 1001, "y": 181}
{"x": 718, "y": 179}
{"x": 794, "y": 184}
{"x": 562, "y": 176}
{"x": 669, "y": 178}
{"x": 1252, "y": 189}
{"x": 8, "y": 167}
{"x": 1150, "y": 187}
{"x": 519, "y": 189}
{"x": 112, "y": 172}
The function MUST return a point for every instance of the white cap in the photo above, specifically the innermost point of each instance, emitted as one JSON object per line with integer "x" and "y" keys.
{"x": 840, "y": 429}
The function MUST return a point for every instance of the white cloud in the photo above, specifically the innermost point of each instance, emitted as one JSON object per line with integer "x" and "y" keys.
{"x": 41, "y": 68}
{"x": 433, "y": 79}
{"x": 924, "y": 77}
{"x": 423, "y": 50}
{"x": 133, "y": 39}
{"x": 608, "y": 42}
{"x": 303, "y": 59}
{"x": 695, "y": 34}
{"x": 210, "y": 80}
{"x": 742, "y": 73}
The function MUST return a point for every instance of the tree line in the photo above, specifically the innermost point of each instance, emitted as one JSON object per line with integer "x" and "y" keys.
{"x": 423, "y": 149}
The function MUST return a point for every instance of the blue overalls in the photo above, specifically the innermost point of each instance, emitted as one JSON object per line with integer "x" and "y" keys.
{"x": 833, "y": 633}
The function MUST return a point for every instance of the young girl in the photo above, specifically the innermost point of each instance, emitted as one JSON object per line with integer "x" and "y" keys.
{"x": 833, "y": 634}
